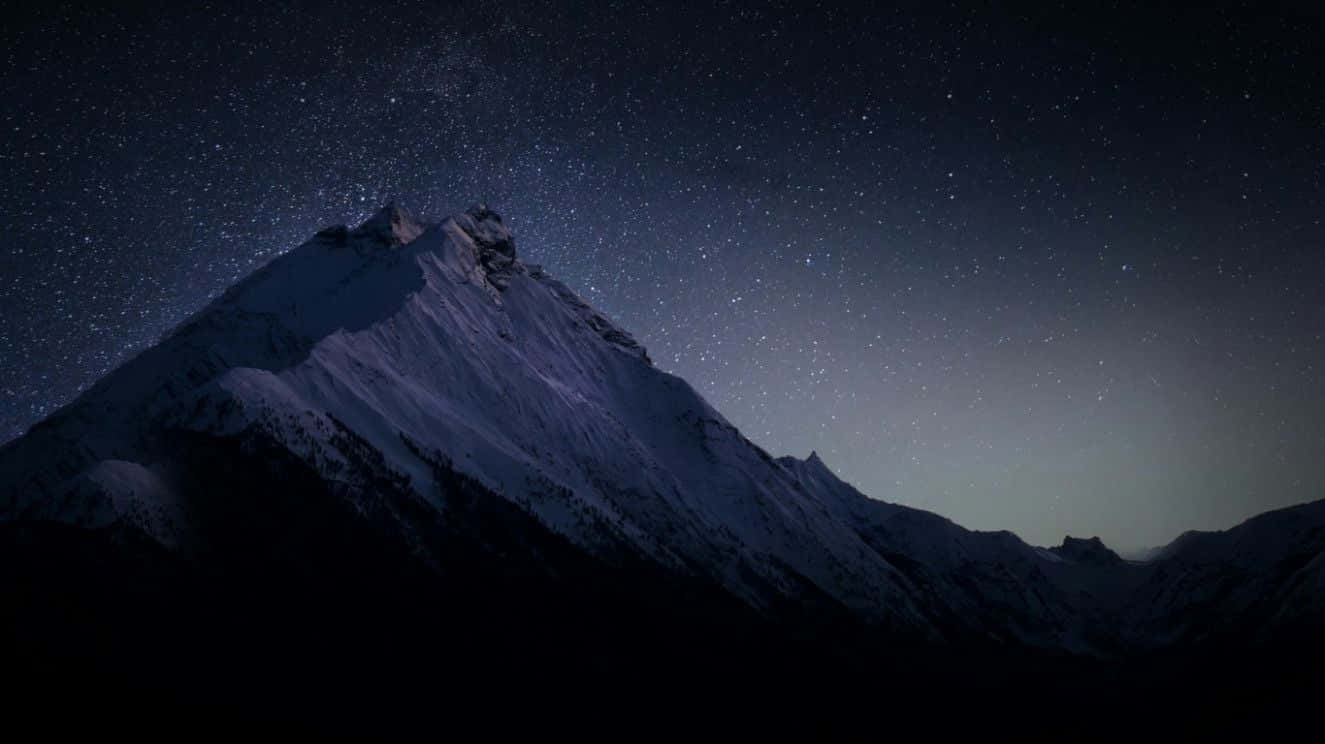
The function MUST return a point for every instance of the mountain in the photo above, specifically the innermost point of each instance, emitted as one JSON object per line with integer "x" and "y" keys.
{"x": 1081, "y": 550}
{"x": 398, "y": 464}
{"x": 1263, "y": 579}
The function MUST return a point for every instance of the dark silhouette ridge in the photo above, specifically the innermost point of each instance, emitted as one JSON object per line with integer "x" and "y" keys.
{"x": 1090, "y": 551}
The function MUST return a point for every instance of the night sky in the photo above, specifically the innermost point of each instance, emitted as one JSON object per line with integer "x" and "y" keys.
{"x": 1049, "y": 270}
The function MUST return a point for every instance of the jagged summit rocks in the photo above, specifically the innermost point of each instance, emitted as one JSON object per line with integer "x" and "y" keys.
{"x": 485, "y": 226}
{"x": 480, "y": 229}
{"x": 1089, "y": 551}
{"x": 392, "y": 225}
{"x": 494, "y": 244}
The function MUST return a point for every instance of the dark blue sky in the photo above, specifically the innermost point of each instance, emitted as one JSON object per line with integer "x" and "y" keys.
{"x": 1044, "y": 269}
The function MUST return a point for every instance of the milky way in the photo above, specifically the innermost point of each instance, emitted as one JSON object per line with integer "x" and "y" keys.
{"x": 1047, "y": 271}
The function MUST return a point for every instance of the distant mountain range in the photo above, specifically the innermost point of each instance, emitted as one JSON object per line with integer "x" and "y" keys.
{"x": 398, "y": 476}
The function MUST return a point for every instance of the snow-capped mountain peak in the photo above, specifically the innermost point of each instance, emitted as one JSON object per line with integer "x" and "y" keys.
{"x": 401, "y": 367}
{"x": 390, "y": 225}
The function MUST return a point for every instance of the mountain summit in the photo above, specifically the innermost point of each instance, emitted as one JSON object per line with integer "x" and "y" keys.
{"x": 399, "y": 441}
{"x": 391, "y": 224}
{"x": 1083, "y": 550}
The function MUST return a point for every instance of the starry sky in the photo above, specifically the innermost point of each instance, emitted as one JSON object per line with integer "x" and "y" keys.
{"x": 1048, "y": 268}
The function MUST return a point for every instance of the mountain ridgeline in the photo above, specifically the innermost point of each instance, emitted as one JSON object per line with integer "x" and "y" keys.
{"x": 398, "y": 476}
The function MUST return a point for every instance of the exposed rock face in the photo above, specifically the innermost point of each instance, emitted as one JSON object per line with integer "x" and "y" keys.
{"x": 1090, "y": 551}
{"x": 493, "y": 243}
{"x": 392, "y": 225}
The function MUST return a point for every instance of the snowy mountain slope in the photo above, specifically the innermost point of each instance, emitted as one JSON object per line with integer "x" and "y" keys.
{"x": 405, "y": 371}
{"x": 1258, "y": 579}
{"x": 435, "y": 344}
{"x": 1041, "y": 597}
